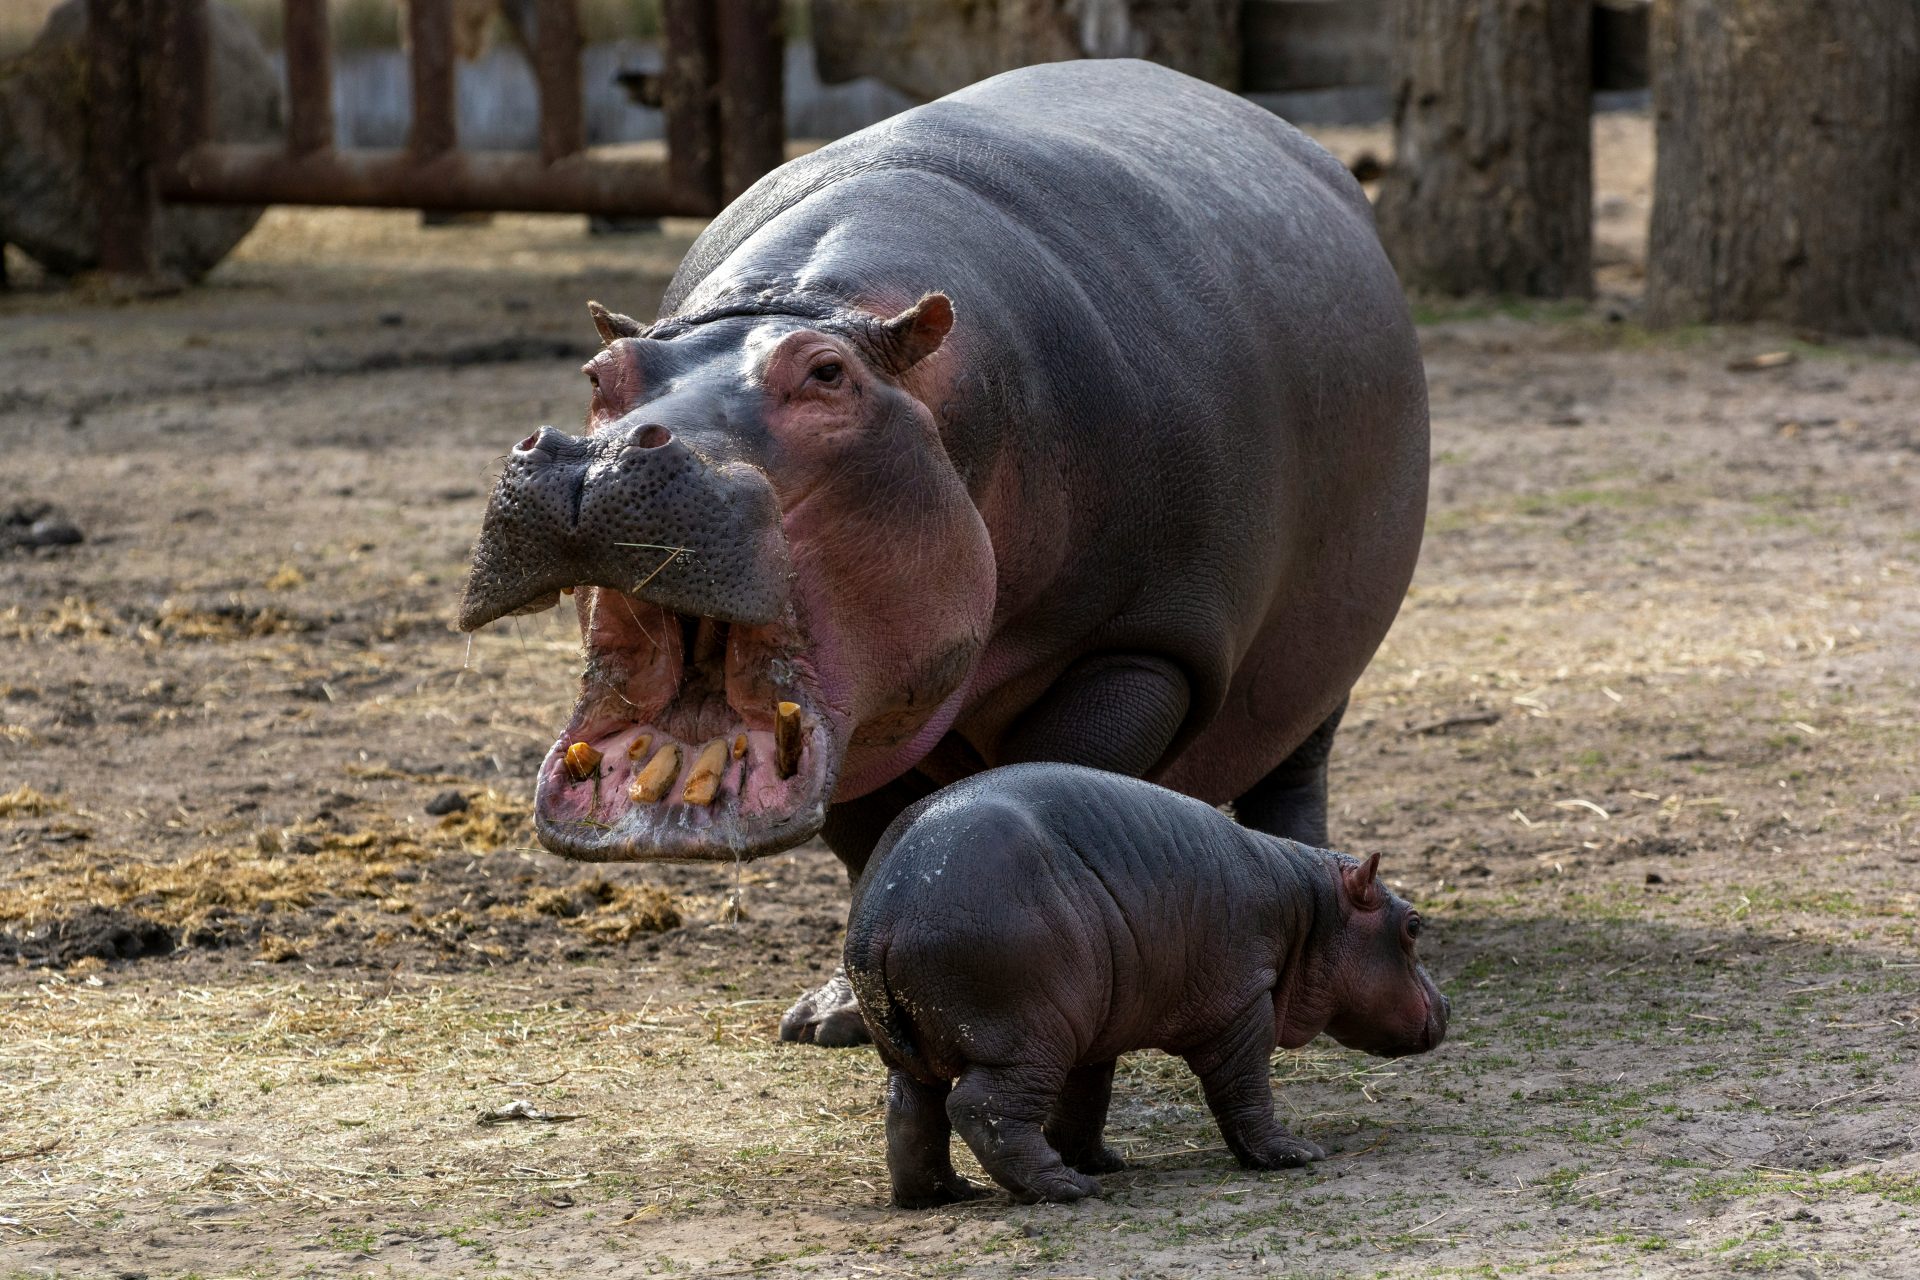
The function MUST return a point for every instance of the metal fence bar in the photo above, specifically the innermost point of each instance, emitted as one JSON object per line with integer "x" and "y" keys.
{"x": 455, "y": 179}
{"x": 149, "y": 92}
{"x": 687, "y": 77}
{"x": 556, "y": 66}
{"x": 116, "y": 160}
{"x": 309, "y": 77}
{"x": 752, "y": 122}
{"x": 430, "y": 37}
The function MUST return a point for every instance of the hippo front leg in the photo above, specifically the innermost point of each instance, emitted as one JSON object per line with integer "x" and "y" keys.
{"x": 828, "y": 1016}
{"x": 1236, "y": 1074}
{"x": 1116, "y": 711}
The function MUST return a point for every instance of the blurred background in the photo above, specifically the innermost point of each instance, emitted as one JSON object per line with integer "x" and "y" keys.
{"x": 1720, "y": 132}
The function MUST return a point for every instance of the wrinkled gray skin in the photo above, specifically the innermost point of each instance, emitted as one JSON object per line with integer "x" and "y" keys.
{"x": 1145, "y": 497}
{"x": 1018, "y": 931}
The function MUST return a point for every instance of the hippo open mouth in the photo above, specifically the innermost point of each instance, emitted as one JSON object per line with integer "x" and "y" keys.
{"x": 693, "y": 738}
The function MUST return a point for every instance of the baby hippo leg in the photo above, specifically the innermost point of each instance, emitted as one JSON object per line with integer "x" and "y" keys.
{"x": 1234, "y": 1072}
{"x": 1079, "y": 1115}
{"x": 919, "y": 1145}
{"x": 1000, "y": 1111}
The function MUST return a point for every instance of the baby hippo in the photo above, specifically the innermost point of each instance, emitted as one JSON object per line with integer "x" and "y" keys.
{"x": 1017, "y": 931}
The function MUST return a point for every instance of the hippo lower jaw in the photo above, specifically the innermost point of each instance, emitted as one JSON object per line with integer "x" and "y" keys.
{"x": 693, "y": 739}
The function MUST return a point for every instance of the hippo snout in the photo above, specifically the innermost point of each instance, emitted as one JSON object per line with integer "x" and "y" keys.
{"x": 1439, "y": 1010}
{"x": 635, "y": 509}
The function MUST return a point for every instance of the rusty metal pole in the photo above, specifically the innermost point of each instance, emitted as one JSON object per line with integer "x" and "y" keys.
{"x": 556, "y": 67}
{"x": 753, "y": 127}
{"x": 174, "y": 67}
{"x": 687, "y": 90}
{"x": 309, "y": 55}
{"x": 118, "y": 166}
{"x": 430, "y": 50}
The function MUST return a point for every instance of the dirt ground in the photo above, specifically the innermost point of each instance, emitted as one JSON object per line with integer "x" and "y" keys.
{"x": 1641, "y": 746}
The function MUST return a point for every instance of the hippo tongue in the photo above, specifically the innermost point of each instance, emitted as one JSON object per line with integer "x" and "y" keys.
{"x": 693, "y": 738}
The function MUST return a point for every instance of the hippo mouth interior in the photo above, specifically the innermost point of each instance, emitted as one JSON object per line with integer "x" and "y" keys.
{"x": 694, "y": 737}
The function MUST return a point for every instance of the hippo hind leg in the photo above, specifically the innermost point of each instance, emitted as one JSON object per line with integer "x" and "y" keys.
{"x": 1079, "y": 1117}
{"x": 1292, "y": 800}
{"x": 1235, "y": 1073}
{"x": 1000, "y": 1111}
{"x": 920, "y": 1145}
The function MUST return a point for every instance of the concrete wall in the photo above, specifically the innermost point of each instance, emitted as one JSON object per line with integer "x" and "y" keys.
{"x": 498, "y": 107}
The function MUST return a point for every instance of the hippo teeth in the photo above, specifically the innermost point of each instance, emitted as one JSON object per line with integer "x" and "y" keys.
{"x": 652, "y": 783}
{"x": 703, "y": 783}
{"x": 693, "y": 736}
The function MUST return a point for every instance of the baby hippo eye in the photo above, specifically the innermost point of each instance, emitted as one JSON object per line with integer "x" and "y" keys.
{"x": 1413, "y": 925}
{"x": 827, "y": 374}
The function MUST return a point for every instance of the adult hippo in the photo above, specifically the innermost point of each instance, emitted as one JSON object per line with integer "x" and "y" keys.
{"x": 1077, "y": 416}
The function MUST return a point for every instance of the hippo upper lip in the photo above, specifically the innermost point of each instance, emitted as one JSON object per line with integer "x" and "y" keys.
{"x": 664, "y": 525}
{"x": 537, "y": 592}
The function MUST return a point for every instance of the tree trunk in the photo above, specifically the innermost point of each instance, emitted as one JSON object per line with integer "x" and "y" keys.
{"x": 1491, "y": 189}
{"x": 1787, "y": 185}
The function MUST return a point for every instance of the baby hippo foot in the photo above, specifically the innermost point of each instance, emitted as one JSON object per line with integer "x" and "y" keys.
{"x": 999, "y": 1111}
{"x": 1078, "y": 1117}
{"x": 1102, "y": 1159}
{"x": 1282, "y": 1151}
{"x": 1056, "y": 1186}
{"x": 828, "y": 1016}
{"x": 951, "y": 1190}
{"x": 920, "y": 1145}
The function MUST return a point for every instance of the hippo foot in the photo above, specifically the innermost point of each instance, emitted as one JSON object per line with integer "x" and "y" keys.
{"x": 1061, "y": 1186}
{"x": 954, "y": 1190}
{"x": 1284, "y": 1152}
{"x": 828, "y": 1016}
{"x": 1104, "y": 1160}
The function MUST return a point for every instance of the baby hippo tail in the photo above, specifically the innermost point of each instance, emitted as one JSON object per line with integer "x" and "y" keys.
{"x": 887, "y": 1022}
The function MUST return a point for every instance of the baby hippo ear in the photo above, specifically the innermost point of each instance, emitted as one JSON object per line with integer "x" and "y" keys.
{"x": 915, "y": 333}
{"x": 1361, "y": 882}
{"x": 612, "y": 325}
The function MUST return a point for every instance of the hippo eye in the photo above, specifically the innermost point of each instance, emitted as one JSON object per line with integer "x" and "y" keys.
{"x": 827, "y": 374}
{"x": 1413, "y": 925}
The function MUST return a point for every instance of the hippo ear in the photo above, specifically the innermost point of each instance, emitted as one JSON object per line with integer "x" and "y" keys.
{"x": 1361, "y": 883}
{"x": 915, "y": 333}
{"x": 612, "y": 324}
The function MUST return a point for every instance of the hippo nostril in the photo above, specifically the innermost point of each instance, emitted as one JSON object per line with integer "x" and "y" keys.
{"x": 546, "y": 440}
{"x": 651, "y": 436}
